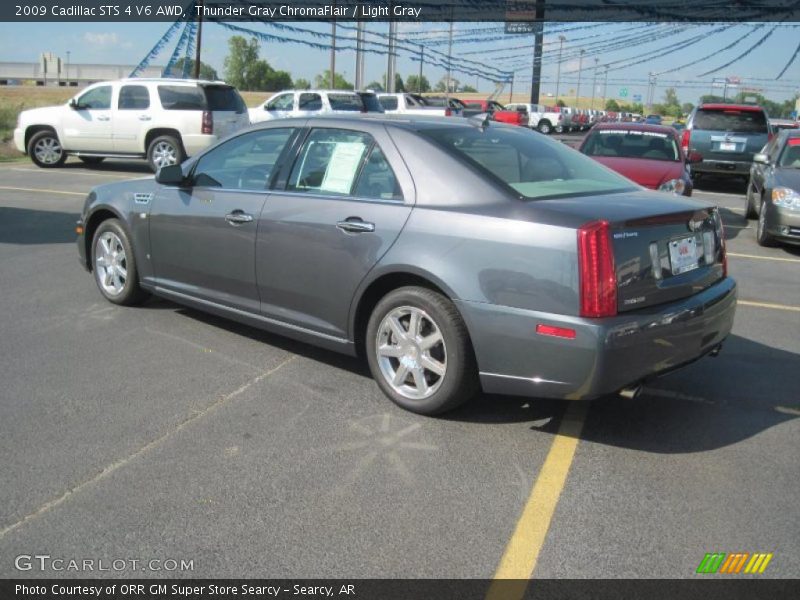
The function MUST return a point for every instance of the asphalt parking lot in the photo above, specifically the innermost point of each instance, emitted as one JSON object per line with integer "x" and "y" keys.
{"x": 160, "y": 432}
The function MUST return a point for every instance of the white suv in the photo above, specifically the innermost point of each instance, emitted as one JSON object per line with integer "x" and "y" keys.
{"x": 163, "y": 120}
{"x": 306, "y": 103}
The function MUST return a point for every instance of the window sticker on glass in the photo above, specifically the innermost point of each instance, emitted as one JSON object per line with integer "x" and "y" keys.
{"x": 343, "y": 166}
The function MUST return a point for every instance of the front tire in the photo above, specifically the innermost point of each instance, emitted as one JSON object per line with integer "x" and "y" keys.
{"x": 750, "y": 211}
{"x": 114, "y": 265}
{"x": 763, "y": 237}
{"x": 163, "y": 151}
{"x": 544, "y": 127}
{"x": 45, "y": 150}
{"x": 419, "y": 351}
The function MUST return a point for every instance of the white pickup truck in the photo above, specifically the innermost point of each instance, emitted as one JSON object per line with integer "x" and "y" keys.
{"x": 543, "y": 118}
{"x": 411, "y": 104}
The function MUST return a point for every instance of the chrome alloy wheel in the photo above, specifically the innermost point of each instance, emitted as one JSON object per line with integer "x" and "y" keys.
{"x": 48, "y": 151}
{"x": 111, "y": 264}
{"x": 411, "y": 352}
{"x": 164, "y": 154}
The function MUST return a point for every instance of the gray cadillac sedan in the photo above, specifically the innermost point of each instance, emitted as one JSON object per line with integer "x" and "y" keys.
{"x": 455, "y": 254}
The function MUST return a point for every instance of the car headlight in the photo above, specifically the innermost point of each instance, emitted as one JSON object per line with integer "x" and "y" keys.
{"x": 676, "y": 186}
{"x": 786, "y": 198}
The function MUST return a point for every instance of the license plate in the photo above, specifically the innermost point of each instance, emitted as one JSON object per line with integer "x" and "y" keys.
{"x": 683, "y": 255}
{"x": 727, "y": 147}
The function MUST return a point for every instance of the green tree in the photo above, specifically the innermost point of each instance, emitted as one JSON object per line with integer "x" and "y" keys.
{"x": 441, "y": 86}
{"x": 244, "y": 70}
{"x": 612, "y": 105}
{"x": 399, "y": 87}
{"x": 671, "y": 97}
{"x": 323, "y": 80}
{"x": 563, "y": 104}
{"x": 687, "y": 107}
{"x": 468, "y": 89}
{"x": 206, "y": 71}
{"x": 302, "y": 84}
{"x": 375, "y": 86}
{"x": 415, "y": 84}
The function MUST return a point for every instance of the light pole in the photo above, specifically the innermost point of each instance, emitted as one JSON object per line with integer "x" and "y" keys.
{"x": 66, "y": 69}
{"x": 580, "y": 68}
{"x": 561, "y": 39}
{"x": 594, "y": 79}
{"x": 605, "y": 86}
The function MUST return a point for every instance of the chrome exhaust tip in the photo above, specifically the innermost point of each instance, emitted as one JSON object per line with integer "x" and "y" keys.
{"x": 716, "y": 350}
{"x": 631, "y": 392}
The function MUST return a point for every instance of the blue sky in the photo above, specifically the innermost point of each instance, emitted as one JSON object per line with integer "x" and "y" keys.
{"x": 128, "y": 43}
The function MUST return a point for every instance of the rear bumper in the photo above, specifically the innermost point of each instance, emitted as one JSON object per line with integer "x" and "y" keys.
{"x": 723, "y": 167}
{"x": 606, "y": 354}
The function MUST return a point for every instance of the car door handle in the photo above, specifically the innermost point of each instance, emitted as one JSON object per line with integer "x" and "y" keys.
{"x": 145, "y": 118}
{"x": 355, "y": 225}
{"x": 238, "y": 217}
{"x": 103, "y": 118}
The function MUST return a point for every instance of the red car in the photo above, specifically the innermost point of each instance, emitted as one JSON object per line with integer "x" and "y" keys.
{"x": 650, "y": 155}
{"x": 499, "y": 112}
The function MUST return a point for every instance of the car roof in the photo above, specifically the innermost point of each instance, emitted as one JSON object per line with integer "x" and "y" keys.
{"x": 720, "y": 106}
{"x": 408, "y": 122}
{"x": 172, "y": 80}
{"x": 636, "y": 127}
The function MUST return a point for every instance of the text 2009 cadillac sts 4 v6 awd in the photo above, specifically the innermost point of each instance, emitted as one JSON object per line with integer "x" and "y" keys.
{"x": 457, "y": 255}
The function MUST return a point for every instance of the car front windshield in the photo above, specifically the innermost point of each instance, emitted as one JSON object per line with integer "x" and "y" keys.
{"x": 627, "y": 143}
{"x": 529, "y": 163}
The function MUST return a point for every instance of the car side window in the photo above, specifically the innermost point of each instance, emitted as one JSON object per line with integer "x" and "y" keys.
{"x": 377, "y": 180}
{"x": 310, "y": 102}
{"x": 389, "y": 103}
{"x": 282, "y": 102}
{"x": 329, "y": 162}
{"x": 245, "y": 162}
{"x": 98, "y": 98}
{"x": 133, "y": 97}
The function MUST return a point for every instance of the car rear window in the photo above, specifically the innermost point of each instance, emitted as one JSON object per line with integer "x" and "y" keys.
{"x": 733, "y": 120}
{"x": 388, "y": 102}
{"x": 530, "y": 164}
{"x": 622, "y": 143}
{"x": 348, "y": 102}
{"x": 224, "y": 98}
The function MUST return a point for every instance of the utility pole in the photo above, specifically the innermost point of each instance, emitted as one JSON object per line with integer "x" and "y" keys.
{"x": 538, "y": 42}
{"x": 391, "y": 65}
{"x": 605, "y": 86}
{"x": 333, "y": 55}
{"x": 561, "y": 40}
{"x": 421, "y": 61}
{"x": 66, "y": 69}
{"x": 359, "y": 55}
{"x": 511, "y": 91}
{"x": 594, "y": 79}
{"x": 580, "y": 68}
{"x": 199, "y": 7}
{"x": 449, "y": 58}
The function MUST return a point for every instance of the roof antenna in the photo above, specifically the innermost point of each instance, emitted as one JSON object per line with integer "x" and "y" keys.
{"x": 481, "y": 120}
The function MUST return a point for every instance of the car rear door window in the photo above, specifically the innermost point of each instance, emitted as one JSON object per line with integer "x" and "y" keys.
{"x": 310, "y": 101}
{"x": 98, "y": 98}
{"x": 245, "y": 162}
{"x": 388, "y": 102}
{"x": 732, "y": 120}
{"x": 181, "y": 97}
{"x": 346, "y": 102}
{"x": 133, "y": 97}
{"x": 377, "y": 180}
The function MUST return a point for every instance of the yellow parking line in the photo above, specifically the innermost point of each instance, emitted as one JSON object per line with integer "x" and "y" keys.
{"x": 768, "y": 305}
{"x": 522, "y": 552}
{"x": 39, "y": 191}
{"x": 778, "y": 258}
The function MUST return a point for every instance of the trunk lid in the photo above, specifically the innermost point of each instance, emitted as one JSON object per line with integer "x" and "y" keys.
{"x": 227, "y": 107}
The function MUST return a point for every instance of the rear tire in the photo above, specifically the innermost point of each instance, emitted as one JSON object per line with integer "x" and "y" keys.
{"x": 165, "y": 150}
{"x": 419, "y": 351}
{"x": 763, "y": 237}
{"x": 45, "y": 150}
{"x": 544, "y": 127}
{"x": 114, "y": 265}
{"x": 91, "y": 160}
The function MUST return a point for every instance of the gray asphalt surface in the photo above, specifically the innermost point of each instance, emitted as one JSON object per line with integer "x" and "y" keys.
{"x": 162, "y": 433}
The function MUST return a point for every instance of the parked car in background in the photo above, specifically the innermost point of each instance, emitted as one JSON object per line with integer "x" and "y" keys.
{"x": 773, "y": 192}
{"x": 456, "y": 106}
{"x": 371, "y": 102}
{"x": 580, "y": 284}
{"x": 650, "y": 155}
{"x": 653, "y": 119}
{"x": 162, "y": 120}
{"x": 498, "y": 112}
{"x": 540, "y": 117}
{"x": 777, "y": 124}
{"x": 309, "y": 103}
{"x": 727, "y": 135}
{"x": 411, "y": 104}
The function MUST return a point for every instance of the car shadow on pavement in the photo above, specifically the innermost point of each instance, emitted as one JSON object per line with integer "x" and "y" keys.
{"x": 723, "y": 185}
{"x": 134, "y": 167}
{"x": 31, "y": 226}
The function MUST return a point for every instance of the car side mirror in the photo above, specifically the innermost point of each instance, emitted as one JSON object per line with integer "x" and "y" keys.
{"x": 73, "y": 104}
{"x": 694, "y": 157}
{"x": 761, "y": 158}
{"x": 170, "y": 175}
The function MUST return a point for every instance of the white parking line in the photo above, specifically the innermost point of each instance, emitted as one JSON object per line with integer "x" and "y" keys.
{"x": 41, "y": 191}
{"x": 63, "y": 172}
{"x": 756, "y": 257}
{"x": 768, "y": 305}
{"x": 725, "y": 194}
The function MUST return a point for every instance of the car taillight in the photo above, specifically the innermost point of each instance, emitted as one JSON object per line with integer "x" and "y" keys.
{"x": 448, "y": 112}
{"x": 598, "y": 280}
{"x": 686, "y": 136}
{"x": 560, "y": 117}
{"x": 208, "y": 123}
